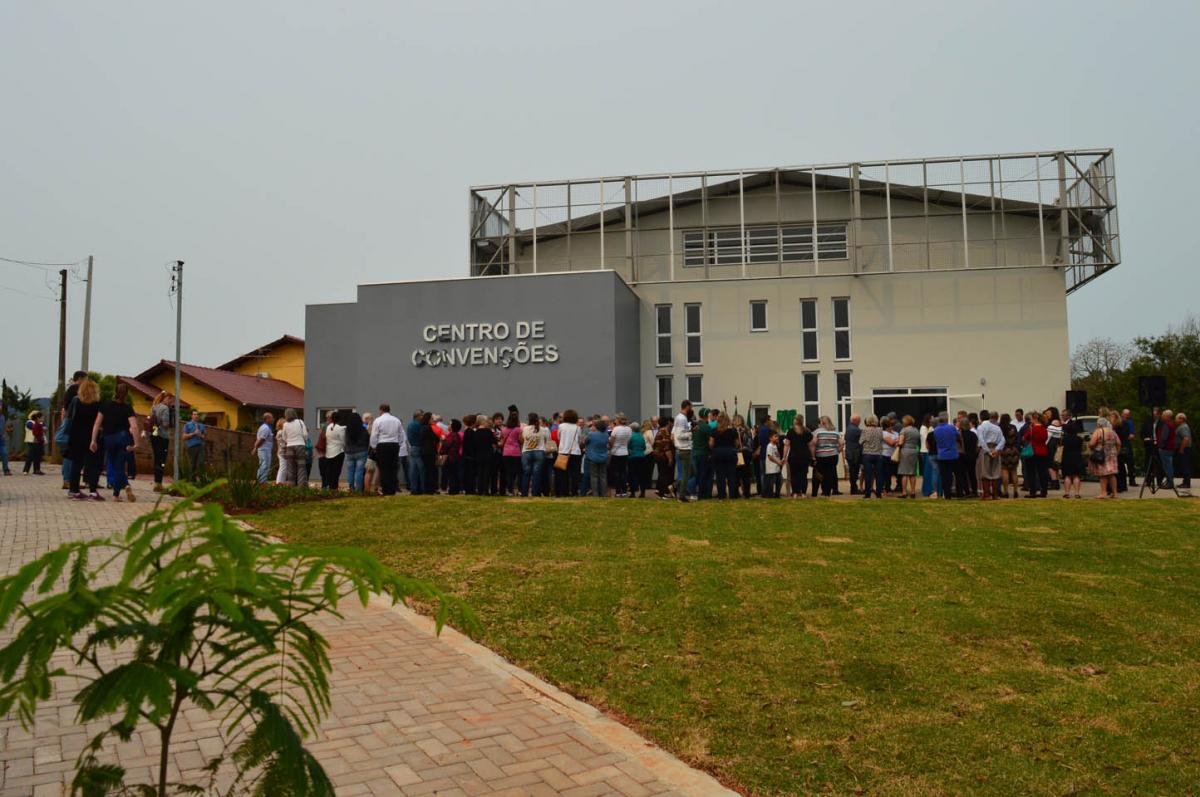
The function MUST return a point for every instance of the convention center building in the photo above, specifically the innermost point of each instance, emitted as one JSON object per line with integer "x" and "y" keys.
{"x": 908, "y": 285}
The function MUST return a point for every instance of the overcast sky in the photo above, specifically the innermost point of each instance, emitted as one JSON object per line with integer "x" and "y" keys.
{"x": 290, "y": 150}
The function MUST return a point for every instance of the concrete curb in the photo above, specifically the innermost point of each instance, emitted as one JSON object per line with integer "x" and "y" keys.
{"x": 664, "y": 766}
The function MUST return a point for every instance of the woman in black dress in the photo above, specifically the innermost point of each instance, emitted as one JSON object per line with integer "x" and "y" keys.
{"x": 798, "y": 455}
{"x": 1071, "y": 468}
{"x": 86, "y": 454}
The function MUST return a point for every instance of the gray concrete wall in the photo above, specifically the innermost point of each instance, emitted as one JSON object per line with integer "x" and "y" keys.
{"x": 377, "y": 349}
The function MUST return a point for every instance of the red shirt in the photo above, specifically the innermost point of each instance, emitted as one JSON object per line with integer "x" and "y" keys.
{"x": 1037, "y": 438}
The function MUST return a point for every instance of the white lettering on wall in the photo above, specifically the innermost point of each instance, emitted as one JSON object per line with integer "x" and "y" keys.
{"x": 520, "y": 351}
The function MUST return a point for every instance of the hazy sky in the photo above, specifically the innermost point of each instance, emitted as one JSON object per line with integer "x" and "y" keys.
{"x": 288, "y": 151}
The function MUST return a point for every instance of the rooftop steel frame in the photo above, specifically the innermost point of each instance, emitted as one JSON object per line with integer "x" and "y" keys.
{"x": 629, "y": 222}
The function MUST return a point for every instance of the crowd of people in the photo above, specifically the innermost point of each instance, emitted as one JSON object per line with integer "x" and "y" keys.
{"x": 698, "y": 454}
{"x": 708, "y": 453}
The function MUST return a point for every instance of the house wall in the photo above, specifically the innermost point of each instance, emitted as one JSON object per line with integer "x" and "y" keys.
{"x": 201, "y": 398}
{"x": 284, "y": 362}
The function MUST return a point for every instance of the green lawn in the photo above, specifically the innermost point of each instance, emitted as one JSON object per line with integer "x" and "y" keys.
{"x": 1033, "y": 647}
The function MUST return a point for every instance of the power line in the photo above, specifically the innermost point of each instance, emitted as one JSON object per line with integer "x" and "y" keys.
{"x": 26, "y": 293}
{"x": 38, "y": 264}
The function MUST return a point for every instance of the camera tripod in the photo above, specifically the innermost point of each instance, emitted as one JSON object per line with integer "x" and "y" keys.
{"x": 1151, "y": 476}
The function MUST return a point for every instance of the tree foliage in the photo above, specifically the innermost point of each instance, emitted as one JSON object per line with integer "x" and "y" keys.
{"x": 1109, "y": 371}
{"x": 186, "y": 607}
{"x": 17, "y": 403}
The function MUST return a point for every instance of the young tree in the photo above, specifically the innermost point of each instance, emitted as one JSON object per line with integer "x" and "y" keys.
{"x": 200, "y": 612}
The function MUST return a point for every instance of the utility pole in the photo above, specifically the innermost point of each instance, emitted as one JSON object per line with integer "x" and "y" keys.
{"x": 87, "y": 317}
{"x": 177, "y": 289}
{"x": 62, "y": 344}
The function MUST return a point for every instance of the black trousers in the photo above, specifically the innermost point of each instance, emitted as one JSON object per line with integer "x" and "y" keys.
{"x": 469, "y": 471}
{"x": 453, "y": 476}
{"x": 85, "y": 466}
{"x": 798, "y": 474}
{"x": 946, "y": 474}
{"x": 619, "y": 473}
{"x": 724, "y": 464}
{"x": 1037, "y": 475}
{"x": 827, "y": 467}
{"x": 483, "y": 475}
{"x": 159, "y": 446}
{"x": 1126, "y": 466}
{"x": 431, "y": 473}
{"x": 331, "y": 471}
{"x": 566, "y": 482}
{"x": 387, "y": 459}
{"x": 771, "y": 482}
{"x": 854, "y": 464}
{"x": 745, "y": 475}
{"x": 964, "y": 477}
{"x": 512, "y": 474}
{"x": 33, "y": 457}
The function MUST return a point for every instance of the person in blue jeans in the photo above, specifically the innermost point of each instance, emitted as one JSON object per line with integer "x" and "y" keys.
{"x": 534, "y": 438}
{"x": 870, "y": 440}
{"x": 4, "y": 430}
{"x": 357, "y": 443}
{"x": 946, "y": 436}
{"x": 264, "y": 446}
{"x": 193, "y": 439}
{"x": 596, "y": 456}
{"x": 416, "y": 466}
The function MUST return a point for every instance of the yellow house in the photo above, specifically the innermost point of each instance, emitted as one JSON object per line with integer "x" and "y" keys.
{"x": 281, "y": 359}
{"x": 234, "y": 396}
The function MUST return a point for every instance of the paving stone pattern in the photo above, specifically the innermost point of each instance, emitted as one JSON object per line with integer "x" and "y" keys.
{"x": 412, "y": 713}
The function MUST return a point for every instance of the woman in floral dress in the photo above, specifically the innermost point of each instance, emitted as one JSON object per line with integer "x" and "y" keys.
{"x": 1104, "y": 438}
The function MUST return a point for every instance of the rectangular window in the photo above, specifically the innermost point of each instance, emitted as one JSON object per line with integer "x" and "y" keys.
{"x": 764, "y": 244}
{"x": 841, "y": 329}
{"x": 665, "y": 402}
{"x": 692, "y": 334}
{"x": 812, "y": 404}
{"x": 758, "y": 316}
{"x": 808, "y": 330}
{"x": 662, "y": 333}
{"x": 843, "y": 399}
{"x": 693, "y": 247}
{"x": 695, "y": 389}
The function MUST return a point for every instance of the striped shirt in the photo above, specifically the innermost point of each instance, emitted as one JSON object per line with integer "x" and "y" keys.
{"x": 826, "y": 442}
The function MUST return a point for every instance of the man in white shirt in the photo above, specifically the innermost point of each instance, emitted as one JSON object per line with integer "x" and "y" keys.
{"x": 991, "y": 443}
{"x": 386, "y": 432}
{"x": 681, "y": 434}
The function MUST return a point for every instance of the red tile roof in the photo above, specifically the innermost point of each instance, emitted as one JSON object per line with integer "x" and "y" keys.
{"x": 261, "y": 351}
{"x": 147, "y": 390}
{"x": 253, "y": 391}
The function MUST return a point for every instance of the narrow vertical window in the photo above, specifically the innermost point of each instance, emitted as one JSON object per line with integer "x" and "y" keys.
{"x": 692, "y": 334}
{"x": 695, "y": 389}
{"x": 662, "y": 333}
{"x": 812, "y": 401}
{"x": 841, "y": 329}
{"x": 665, "y": 402}
{"x": 758, "y": 316}
{"x": 808, "y": 330}
{"x": 843, "y": 399}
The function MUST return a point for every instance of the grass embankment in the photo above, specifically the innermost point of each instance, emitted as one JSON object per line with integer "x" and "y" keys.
{"x": 1033, "y": 647}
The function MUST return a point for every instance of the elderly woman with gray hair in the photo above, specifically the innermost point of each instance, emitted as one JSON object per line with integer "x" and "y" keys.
{"x": 295, "y": 439}
{"x": 872, "y": 456}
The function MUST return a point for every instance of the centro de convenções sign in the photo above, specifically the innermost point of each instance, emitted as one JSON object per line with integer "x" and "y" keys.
{"x": 494, "y": 344}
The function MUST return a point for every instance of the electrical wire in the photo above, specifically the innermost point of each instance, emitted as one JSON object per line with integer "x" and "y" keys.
{"x": 27, "y": 293}
{"x": 39, "y": 264}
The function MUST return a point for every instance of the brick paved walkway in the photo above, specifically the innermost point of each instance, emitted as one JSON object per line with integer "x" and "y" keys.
{"x": 412, "y": 714}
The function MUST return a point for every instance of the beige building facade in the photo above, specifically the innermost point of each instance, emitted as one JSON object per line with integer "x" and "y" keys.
{"x": 909, "y": 285}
